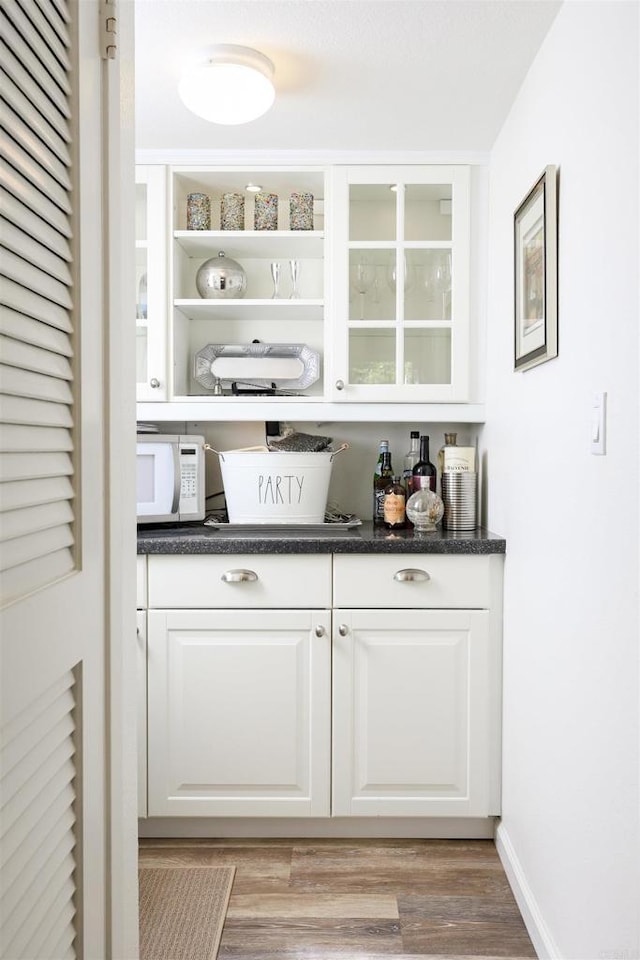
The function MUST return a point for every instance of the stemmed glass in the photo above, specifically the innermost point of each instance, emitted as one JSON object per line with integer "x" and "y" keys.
{"x": 363, "y": 275}
{"x": 275, "y": 276}
{"x": 294, "y": 268}
{"x": 441, "y": 276}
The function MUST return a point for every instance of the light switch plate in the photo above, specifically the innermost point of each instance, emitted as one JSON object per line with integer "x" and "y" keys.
{"x": 599, "y": 424}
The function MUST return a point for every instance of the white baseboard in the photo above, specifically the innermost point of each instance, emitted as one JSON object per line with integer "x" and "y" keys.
{"x": 542, "y": 940}
{"x": 436, "y": 828}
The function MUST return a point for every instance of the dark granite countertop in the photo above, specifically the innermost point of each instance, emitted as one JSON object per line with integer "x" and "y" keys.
{"x": 197, "y": 538}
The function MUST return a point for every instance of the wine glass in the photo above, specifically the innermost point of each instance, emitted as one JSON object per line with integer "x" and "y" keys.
{"x": 363, "y": 275}
{"x": 392, "y": 271}
{"x": 275, "y": 276}
{"x": 441, "y": 276}
{"x": 294, "y": 269}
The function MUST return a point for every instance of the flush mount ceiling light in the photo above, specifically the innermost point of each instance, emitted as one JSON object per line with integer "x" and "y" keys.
{"x": 233, "y": 85}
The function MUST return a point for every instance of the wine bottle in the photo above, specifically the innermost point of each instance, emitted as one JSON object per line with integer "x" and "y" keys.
{"x": 410, "y": 459}
{"x": 380, "y": 484}
{"x": 424, "y": 473}
{"x": 394, "y": 506}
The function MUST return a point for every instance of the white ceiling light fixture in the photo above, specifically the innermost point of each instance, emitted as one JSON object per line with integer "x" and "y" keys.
{"x": 234, "y": 85}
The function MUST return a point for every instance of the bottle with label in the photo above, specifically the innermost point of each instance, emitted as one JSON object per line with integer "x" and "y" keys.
{"x": 450, "y": 440}
{"x": 394, "y": 505}
{"x": 380, "y": 484}
{"x": 424, "y": 472}
{"x": 410, "y": 460}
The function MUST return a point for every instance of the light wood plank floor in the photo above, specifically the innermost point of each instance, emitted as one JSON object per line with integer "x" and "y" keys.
{"x": 359, "y": 899}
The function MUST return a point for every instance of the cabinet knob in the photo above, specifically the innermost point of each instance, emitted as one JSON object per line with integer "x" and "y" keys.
{"x": 154, "y": 383}
{"x": 239, "y": 576}
{"x": 320, "y": 631}
{"x": 408, "y": 575}
{"x": 339, "y": 384}
{"x": 343, "y": 630}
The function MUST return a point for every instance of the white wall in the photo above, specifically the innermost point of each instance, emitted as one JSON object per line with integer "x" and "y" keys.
{"x": 571, "y": 808}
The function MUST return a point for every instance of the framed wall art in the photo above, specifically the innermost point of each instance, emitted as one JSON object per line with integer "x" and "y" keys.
{"x": 536, "y": 274}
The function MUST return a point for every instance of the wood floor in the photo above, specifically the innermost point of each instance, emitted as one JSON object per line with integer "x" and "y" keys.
{"x": 358, "y": 899}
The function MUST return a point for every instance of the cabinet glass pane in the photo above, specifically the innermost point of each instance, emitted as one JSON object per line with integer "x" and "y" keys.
{"x": 372, "y": 356}
{"x": 141, "y": 284}
{"x": 141, "y": 211}
{"x": 427, "y": 356}
{"x": 371, "y": 288}
{"x": 141, "y": 355}
{"x": 428, "y": 285}
{"x": 427, "y": 211}
{"x": 372, "y": 212}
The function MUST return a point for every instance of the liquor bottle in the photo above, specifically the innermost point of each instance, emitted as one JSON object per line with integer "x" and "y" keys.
{"x": 424, "y": 472}
{"x": 383, "y": 448}
{"x": 380, "y": 484}
{"x": 410, "y": 459}
{"x": 394, "y": 506}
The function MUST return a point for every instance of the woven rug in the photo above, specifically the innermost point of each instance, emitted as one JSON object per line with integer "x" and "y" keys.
{"x": 182, "y": 911}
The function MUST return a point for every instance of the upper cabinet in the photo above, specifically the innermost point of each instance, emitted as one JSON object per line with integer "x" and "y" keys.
{"x": 151, "y": 283}
{"x": 333, "y": 289}
{"x": 275, "y": 236}
{"x": 401, "y": 294}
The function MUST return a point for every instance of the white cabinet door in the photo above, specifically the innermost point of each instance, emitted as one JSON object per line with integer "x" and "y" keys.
{"x": 239, "y": 712}
{"x": 401, "y": 284}
{"x": 151, "y": 283}
{"x": 413, "y": 713}
{"x": 141, "y": 677}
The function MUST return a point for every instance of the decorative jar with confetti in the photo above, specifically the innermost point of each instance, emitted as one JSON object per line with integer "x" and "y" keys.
{"x": 265, "y": 216}
{"x": 232, "y": 211}
{"x": 301, "y": 211}
{"x": 198, "y": 211}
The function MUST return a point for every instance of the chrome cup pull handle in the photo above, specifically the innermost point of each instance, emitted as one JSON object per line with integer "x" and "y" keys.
{"x": 409, "y": 575}
{"x": 239, "y": 576}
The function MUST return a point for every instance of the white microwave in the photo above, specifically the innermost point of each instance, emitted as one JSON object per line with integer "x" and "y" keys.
{"x": 169, "y": 478}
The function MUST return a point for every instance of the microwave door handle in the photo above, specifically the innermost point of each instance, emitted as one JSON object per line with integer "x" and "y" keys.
{"x": 176, "y": 478}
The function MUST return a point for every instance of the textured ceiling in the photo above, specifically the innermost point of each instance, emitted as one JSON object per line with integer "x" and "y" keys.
{"x": 350, "y": 75}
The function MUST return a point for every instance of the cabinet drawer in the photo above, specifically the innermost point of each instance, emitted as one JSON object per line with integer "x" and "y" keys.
{"x": 240, "y": 581}
{"x": 412, "y": 580}
{"x": 141, "y": 582}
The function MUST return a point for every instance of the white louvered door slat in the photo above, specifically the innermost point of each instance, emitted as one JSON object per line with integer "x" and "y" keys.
{"x": 43, "y": 24}
{"x": 15, "y": 438}
{"x": 25, "y": 81}
{"x": 43, "y": 67}
{"x": 20, "y": 186}
{"x": 40, "y": 126}
{"x": 16, "y": 325}
{"x": 27, "y": 493}
{"x": 20, "y": 522}
{"x": 28, "y": 466}
{"x": 25, "y": 383}
{"x": 27, "y": 411}
{"x": 17, "y": 298}
{"x": 29, "y": 140}
{"x": 36, "y": 175}
{"x": 35, "y": 253}
{"x": 33, "y": 225}
{"x": 28, "y": 357}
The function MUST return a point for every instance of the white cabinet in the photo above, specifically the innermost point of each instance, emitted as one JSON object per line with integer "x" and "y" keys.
{"x": 141, "y": 709}
{"x": 141, "y": 682}
{"x": 401, "y": 249}
{"x": 151, "y": 283}
{"x": 416, "y": 695}
{"x": 239, "y": 713}
{"x": 288, "y": 314}
{"x": 382, "y": 295}
{"x": 239, "y": 688}
{"x": 386, "y": 705}
{"x": 411, "y": 713}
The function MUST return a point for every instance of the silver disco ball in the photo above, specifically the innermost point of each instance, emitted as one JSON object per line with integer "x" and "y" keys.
{"x": 221, "y": 277}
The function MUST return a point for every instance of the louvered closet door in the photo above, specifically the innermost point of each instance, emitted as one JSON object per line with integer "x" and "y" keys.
{"x": 52, "y": 487}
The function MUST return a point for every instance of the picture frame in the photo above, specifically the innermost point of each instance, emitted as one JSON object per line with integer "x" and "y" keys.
{"x": 536, "y": 274}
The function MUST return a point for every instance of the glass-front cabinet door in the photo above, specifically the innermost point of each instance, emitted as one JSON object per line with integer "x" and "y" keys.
{"x": 401, "y": 284}
{"x": 151, "y": 282}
